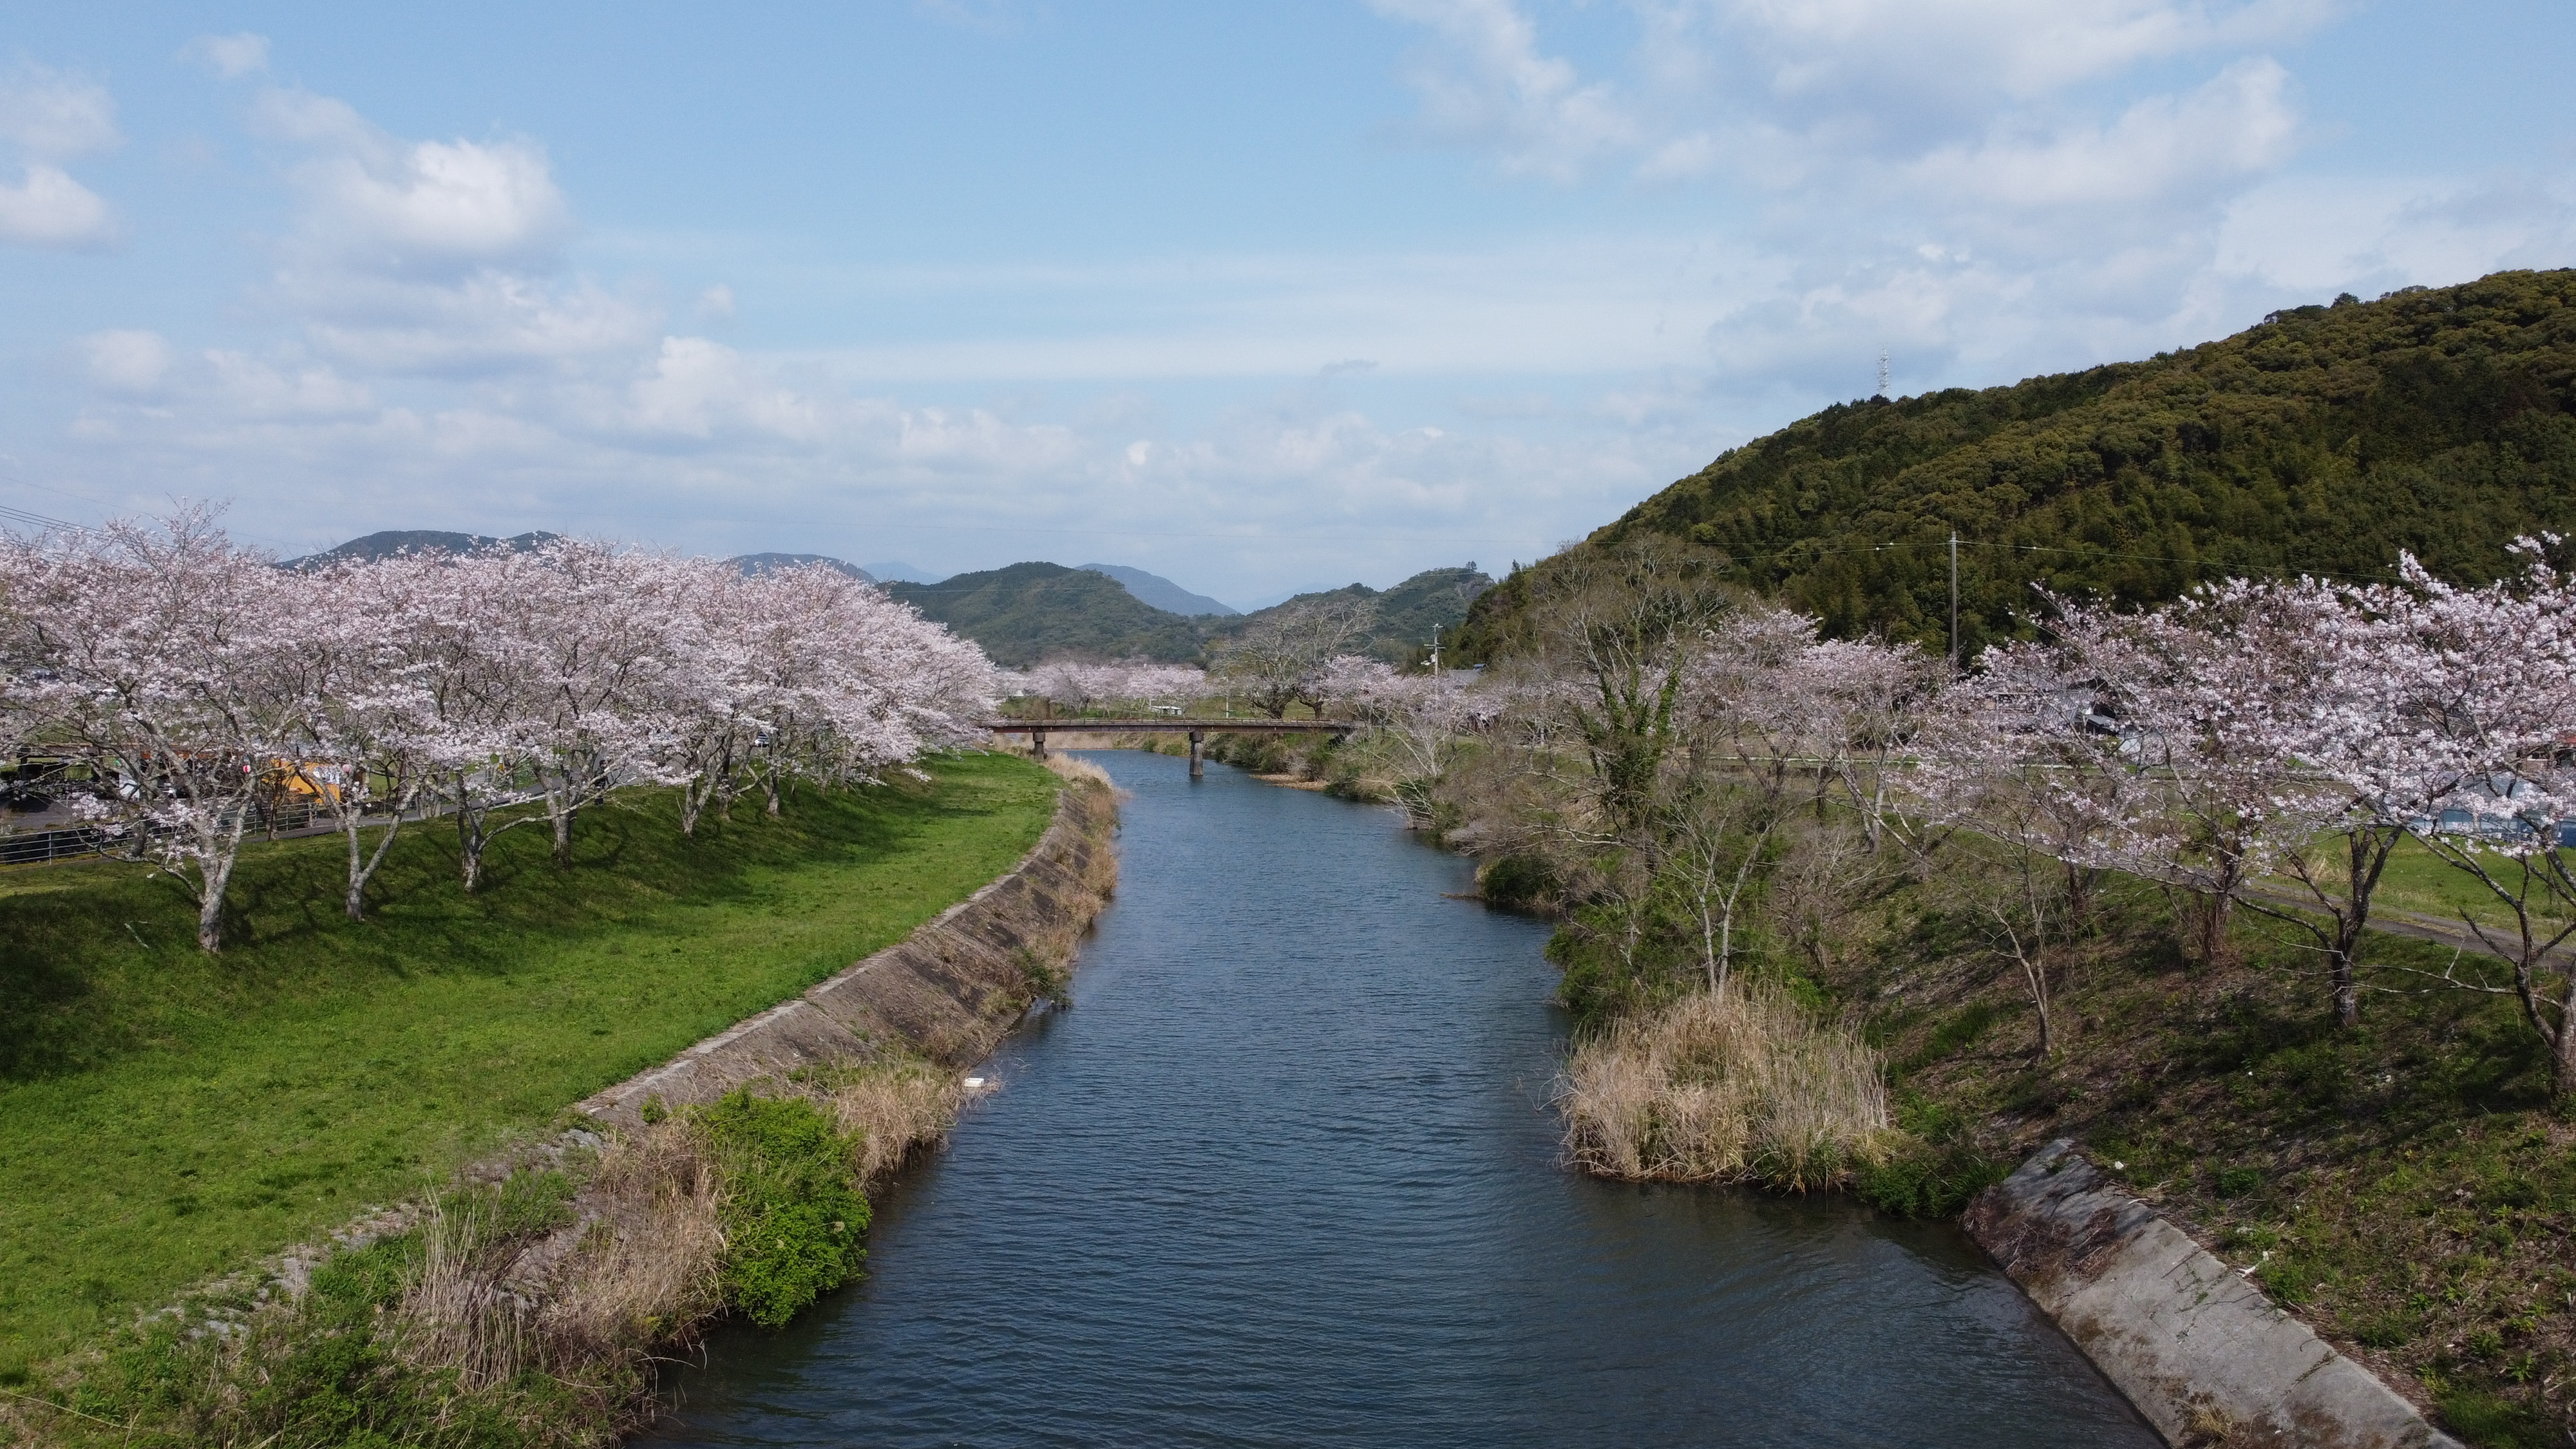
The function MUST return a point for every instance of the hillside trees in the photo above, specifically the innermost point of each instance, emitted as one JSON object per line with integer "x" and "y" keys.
{"x": 1284, "y": 657}
{"x": 2321, "y": 441}
{"x": 200, "y": 686}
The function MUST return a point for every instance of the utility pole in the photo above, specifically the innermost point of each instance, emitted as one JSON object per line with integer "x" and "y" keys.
{"x": 1954, "y": 601}
{"x": 1435, "y": 651}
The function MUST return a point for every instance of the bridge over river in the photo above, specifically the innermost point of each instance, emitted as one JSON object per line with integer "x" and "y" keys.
{"x": 1197, "y": 729}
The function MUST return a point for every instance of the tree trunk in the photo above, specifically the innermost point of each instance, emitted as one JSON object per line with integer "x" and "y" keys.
{"x": 2562, "y": 1046}
{"x": 215, "y": 872}
{"x": 2216, "y": 910}
{"x": 563, "y": 834}
{"x": 210, "y": 922}
{"x": 470, "y": 837}
{"x": 356, "y": 903}
{"x": 2347, "y": 992}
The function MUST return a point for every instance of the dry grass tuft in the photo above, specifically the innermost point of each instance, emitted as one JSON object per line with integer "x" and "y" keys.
{"x": 646, "y": 1267}
{"x": 1742, "y": 1085}
{"x": 1078, "y": 772}
{"x": 895, "y": 1107}
{"x": 460, "y": 1311}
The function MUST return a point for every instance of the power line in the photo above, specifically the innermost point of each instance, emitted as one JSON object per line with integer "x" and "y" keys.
{"x": 1746, "y": 559}
{"x": 38, "y": 520}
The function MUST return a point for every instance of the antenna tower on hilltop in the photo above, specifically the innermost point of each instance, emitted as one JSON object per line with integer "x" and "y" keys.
{"x": 1882, "y": 372}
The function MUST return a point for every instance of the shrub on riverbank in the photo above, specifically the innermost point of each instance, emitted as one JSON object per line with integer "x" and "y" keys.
{"x": 527, "y": 1314}
{"x": 791, "y": 1209}
{"x": 1742, "y": 1084}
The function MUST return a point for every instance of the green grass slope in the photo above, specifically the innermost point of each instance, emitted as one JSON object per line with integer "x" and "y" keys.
{"x": 1034, "y": 611}
{"x": 2325, "y": 439}
{"x": 166, "y": 1116}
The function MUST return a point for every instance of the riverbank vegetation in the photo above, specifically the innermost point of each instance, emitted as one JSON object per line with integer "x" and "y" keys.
{"x": 2122, "y": 882}
{"x": 168, "y": 1116}
{"x": 527, "y": 1312}
{"x": 1741, "y": 1084}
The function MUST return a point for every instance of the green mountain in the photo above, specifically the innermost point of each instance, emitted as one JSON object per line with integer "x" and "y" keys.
{"x": 2323, "y": 440}
{"x": 1406, "y": 613}
{"x": 1032, "y": 611}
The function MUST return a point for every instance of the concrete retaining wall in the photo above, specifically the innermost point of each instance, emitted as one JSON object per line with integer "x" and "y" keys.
{"x": 948, "y": 991}
{"x": 2200, "y": 1351}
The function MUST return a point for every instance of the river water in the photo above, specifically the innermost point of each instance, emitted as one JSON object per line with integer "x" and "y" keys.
{"x": 1285, "y": 1175}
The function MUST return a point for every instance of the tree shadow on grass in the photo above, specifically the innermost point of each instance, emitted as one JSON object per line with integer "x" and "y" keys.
{"x": 105, "y": 963}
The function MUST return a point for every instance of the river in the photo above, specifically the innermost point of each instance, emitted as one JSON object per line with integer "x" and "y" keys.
{"x": 1285, "y": 1175}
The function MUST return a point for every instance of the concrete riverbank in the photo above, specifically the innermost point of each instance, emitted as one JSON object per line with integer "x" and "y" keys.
{"x": 949, "y": 991}
{"x": 2198, "y": 1349}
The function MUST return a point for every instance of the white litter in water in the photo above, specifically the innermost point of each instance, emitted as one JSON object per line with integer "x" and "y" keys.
{"x": 974, "y": 1084}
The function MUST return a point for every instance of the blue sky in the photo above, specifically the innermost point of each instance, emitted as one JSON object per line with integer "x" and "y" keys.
{"x": 1257, "y": 297}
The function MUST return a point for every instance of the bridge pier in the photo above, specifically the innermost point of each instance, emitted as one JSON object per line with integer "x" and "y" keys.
{"x": 1037, "y": 743}
{"x": 1198, "y": 754}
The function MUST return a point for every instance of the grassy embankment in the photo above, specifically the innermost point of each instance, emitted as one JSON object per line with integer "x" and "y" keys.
{"x": 167, "y": 1116}
{"x": 2405, "y": 1187}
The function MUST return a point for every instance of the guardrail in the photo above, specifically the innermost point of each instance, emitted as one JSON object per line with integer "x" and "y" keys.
{"x": 42, "y": 847}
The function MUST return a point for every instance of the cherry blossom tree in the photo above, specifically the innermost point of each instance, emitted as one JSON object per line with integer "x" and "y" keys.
{"x": 202, "y": 682}
{"x": 367, "y": 748}
{"x": 170, "y": 657}
{"x": 1280, "y": 658}
{"x": 2472, "y": 712}
{"x": 2016, "y": 755}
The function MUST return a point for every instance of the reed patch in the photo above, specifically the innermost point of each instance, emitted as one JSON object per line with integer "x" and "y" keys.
{"x": 1740, "y": 1084}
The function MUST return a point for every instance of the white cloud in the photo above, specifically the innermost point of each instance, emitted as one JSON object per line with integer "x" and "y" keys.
{"x": 716, "y": 304}
{"x": 2313, "y": 235}
{"x": 47, "y": 116}
{"x": 246, "y": 387}
{"x": 489, "y": 321}
{"x": 2238, "y": 125}
{"x": 49, "y": 209}
{"x": 383, "y": 204}
{"x": 434, "y": 257}
{"x": 229, "y": 56}
{"x": 1808, "y": 95}
{"x": 1488, "y": 86}
{"x": 126, "y": 361}
{"x": 51, "y": 116}
{"x": 1863, "y": 52}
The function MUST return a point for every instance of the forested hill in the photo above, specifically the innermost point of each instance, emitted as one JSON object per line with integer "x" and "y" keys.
{"x": 1034, "y": 611}
{"x": 2323, "y": 440}
{"x": 1402, "y": 618}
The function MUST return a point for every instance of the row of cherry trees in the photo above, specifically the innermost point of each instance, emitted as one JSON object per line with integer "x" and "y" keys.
{"x": 2270, "y": 744}
{"x": 2259, "y": 745}
{"x": 200, "y": 683}
{"x": 1081, "y": 685}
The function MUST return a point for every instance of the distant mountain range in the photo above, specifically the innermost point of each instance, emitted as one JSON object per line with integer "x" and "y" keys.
{"x": 895, "y": 570}
{"x": 1033, "y": 611}
{"x": 415, "y": 540}
{"x": 755, "y": 564}
{"x": 1161, "y": 592}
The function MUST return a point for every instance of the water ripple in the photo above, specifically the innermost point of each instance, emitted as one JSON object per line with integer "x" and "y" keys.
{"x": 1285, "y": 1176}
